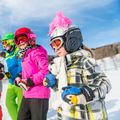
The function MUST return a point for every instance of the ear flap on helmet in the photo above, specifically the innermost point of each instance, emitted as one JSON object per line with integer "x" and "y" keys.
{"x": 73, "y": 40}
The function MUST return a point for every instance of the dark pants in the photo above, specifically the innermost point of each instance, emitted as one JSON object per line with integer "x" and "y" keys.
{"x": 33, "y": 109}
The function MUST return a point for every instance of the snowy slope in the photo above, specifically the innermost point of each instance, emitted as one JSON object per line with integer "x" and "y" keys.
{"x": 111, "y": 66}
{"x": 113, "y": 98}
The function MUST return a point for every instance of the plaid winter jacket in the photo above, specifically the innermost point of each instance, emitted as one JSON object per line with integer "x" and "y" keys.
{"x": 82, "y": 70}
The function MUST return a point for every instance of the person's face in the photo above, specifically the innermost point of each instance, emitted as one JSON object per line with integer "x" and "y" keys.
{"x": 22, "y": 45}
{"x": 22, "y": 40}
{"x": 6, "y": 44}
{"x": 61, "y": 52}
{"x": 57, "y": 45}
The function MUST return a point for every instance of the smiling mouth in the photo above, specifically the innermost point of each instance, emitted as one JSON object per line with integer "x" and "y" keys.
{"x": 22, "y": 44}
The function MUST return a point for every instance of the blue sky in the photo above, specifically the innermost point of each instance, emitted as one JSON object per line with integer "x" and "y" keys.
{"x": 99, "y": 20}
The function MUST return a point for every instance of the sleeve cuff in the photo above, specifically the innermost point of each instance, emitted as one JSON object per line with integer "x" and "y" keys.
{"x": 30, "y": 82}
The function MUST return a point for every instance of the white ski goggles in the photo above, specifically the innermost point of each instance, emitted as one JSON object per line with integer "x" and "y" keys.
{"x": 56, "y": 42}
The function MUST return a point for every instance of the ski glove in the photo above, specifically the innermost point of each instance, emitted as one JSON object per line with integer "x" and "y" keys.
{"x": 1, "y": 71}
{"x": 74, "y": 96}
{"x": 1, "y": 76}
{"x": 23, "y": 83}
{"x": 8, "y": 75}
{"x": 49, "y": 80}
{"x": 1, "y": 66}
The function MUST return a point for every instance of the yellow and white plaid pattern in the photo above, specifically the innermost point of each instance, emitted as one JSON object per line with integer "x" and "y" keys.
{"x": 83, "y": 70}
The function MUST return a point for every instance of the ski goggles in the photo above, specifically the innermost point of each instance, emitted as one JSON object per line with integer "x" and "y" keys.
{"x": 7, "y": 42}
{"x": 24, "y": 38}
{"x": 21, "y": 39}
{"x": 56, "y": 43}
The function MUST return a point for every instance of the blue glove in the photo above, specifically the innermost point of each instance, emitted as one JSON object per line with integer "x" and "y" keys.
{"x": 71, "y": 90}
{"x": 73, "y": 95}
{"x": 70, "y": 93}
{"x": 49, "y": 80}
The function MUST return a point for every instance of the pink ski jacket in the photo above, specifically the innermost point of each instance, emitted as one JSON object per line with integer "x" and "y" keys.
{"x": 35, "y": 66}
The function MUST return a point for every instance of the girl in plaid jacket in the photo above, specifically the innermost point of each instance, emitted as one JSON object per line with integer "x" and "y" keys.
{"x": 80, "y": 85}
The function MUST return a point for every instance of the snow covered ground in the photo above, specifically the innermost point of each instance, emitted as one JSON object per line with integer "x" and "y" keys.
{"x": 111, "y": 66}
{"x": 113, "y": 98}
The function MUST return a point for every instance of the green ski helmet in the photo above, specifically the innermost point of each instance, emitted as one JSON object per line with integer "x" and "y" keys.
{"x": 8, "y": 39}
